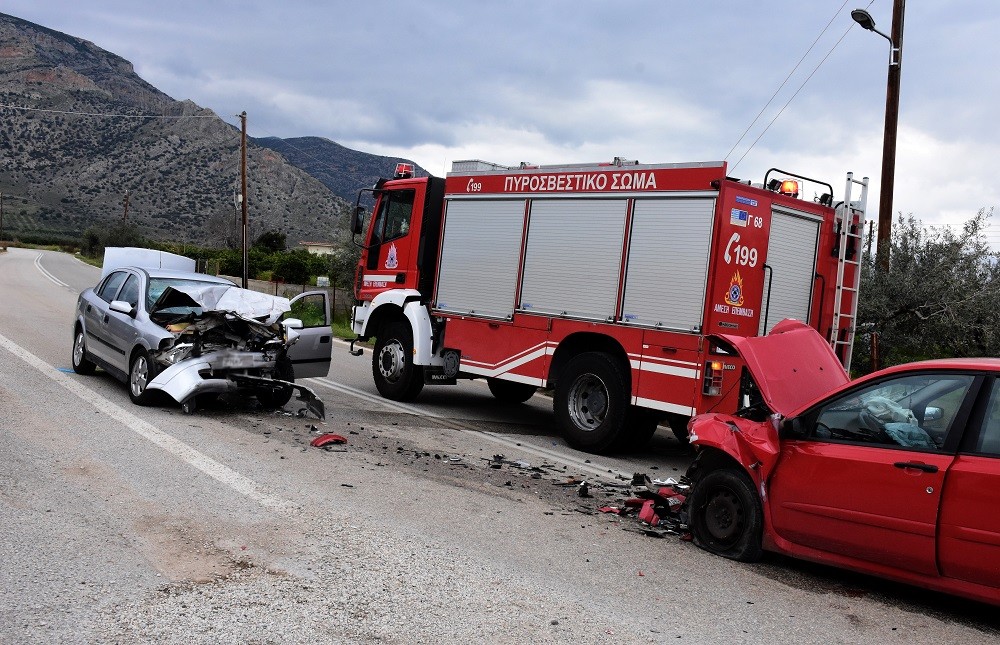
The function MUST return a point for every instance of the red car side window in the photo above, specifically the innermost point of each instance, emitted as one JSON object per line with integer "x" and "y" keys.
{"x": 989, "y": 438}
{"x": 913, "y": 411}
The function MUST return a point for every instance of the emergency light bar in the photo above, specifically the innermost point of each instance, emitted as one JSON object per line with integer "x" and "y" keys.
{"x": 404, "y": 170}
{"x": 788, "y": 187}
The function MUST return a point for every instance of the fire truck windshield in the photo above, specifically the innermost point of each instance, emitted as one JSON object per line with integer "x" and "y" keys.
{"x": 392, "y": 220}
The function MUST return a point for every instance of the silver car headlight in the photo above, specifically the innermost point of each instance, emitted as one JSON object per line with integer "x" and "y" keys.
{"x": 177, "y": 353}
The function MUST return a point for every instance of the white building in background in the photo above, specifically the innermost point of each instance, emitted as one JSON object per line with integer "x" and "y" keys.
{"x": 318, "y": 248}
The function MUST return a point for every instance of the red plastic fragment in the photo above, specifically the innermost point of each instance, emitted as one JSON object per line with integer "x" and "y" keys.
{"x": 610, "y": 509}
{"x": 327, "y": 439}
{"x": 648, "y": 514}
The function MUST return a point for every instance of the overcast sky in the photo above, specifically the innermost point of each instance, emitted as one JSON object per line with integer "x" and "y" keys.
{"x": 560, "y": 81}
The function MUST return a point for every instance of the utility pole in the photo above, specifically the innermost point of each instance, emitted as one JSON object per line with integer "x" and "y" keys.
{"x": 243, "y": 191}
{"x": 895, "y": 38}
{"x": 125, "y": 214}
{"x": 889, "y": 145}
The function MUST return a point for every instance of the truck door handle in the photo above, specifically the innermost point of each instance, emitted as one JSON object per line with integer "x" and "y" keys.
{"x": 927, "y": 468}
{"x": 107, "y": 317}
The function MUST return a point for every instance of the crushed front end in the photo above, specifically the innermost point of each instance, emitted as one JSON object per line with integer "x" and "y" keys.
{"x": 213, "y": 351}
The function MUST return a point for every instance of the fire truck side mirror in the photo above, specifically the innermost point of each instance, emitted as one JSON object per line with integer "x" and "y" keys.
{"x": 358, "y": 220}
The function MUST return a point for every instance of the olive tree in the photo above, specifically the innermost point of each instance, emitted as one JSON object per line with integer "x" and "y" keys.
{"x": 938, "y": 299}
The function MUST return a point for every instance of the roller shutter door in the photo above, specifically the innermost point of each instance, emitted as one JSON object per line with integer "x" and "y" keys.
{"x": 573, "y": 257}
{"x": 479, "y": 258}
{"x": 791, "y": 254}
{"x": 668, "y": 263}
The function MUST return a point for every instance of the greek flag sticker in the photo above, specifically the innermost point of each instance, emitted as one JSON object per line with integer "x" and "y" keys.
{"x": 739, "y": 217}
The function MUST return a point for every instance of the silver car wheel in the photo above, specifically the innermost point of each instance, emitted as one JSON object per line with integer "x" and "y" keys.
{"x": 139, "y": 376}
{"x": 78, "y": 349}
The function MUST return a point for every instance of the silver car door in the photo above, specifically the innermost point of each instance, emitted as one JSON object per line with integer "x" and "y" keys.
{"x": 97, "y": 315}
{"x": 121, "y": 327}
{"x": 310, "y": 355}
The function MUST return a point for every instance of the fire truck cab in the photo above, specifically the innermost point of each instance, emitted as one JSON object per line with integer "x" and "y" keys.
{"x": 606, "y": 283}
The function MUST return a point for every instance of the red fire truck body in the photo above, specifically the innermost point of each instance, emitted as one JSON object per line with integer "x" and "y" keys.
{"x": 604, "y": 282}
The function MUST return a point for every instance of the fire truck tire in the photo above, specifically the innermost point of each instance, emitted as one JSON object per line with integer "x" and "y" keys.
{"x": 640, "y": 426}
{"x": 396, "y": 377}
{"x": 725, "y": 515}
{"x": 509, "y": 391}
{"x": 591, "y": 403}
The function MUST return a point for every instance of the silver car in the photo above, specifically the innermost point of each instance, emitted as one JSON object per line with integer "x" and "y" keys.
{"x": 189, "y": 334}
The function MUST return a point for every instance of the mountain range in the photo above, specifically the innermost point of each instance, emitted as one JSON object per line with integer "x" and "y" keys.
{"x": 85, "y": 142}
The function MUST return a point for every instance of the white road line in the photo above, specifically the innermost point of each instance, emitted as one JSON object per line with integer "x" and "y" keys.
{"x": 56, "y": 281}
{"x": 581, "y": 465}
{"x": 220, "y": 472}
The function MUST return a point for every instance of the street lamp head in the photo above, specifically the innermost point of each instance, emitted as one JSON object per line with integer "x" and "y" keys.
{"x": 864, "y": 19}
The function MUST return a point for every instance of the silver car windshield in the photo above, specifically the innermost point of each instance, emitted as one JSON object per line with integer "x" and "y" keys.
{"x": 158, "y": 285}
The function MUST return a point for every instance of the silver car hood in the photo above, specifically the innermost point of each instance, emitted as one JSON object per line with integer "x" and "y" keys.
{"x": 249, "y": 305}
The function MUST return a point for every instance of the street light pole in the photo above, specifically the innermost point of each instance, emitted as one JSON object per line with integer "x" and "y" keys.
{"x": 891, "y": 121}
{"x": 243, "y": 193}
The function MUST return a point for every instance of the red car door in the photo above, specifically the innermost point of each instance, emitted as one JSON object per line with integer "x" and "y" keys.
{"x": 969, "y": 537}
{"x": 866, "y": 479}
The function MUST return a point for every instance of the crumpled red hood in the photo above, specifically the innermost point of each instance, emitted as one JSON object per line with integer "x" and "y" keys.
{"x": 793, "y": 365}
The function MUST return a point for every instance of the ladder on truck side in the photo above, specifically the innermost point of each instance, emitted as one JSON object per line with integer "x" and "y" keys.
{"x": 850, "y": 228}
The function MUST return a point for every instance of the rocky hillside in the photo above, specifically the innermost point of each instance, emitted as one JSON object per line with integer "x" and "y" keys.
{"x": 95, "y": 131}
{"x": 341, "y": 169}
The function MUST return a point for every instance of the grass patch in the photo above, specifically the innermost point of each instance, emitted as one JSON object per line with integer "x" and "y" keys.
{"x": 342, "y": 327}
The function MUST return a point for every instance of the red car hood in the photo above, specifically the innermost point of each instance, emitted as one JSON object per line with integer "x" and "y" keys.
{"x": 792, "y": 365}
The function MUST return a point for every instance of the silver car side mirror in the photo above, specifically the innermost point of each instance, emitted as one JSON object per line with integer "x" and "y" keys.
{"x": 122, "y": 307}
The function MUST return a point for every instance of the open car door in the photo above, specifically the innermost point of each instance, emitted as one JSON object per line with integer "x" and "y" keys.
{"x": 310, "y": 355}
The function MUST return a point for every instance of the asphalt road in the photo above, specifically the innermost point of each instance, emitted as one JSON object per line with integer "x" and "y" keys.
{"x": 129, "y": 524}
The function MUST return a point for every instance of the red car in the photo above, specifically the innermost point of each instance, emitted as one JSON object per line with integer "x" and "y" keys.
{"x": 896, "y": 474}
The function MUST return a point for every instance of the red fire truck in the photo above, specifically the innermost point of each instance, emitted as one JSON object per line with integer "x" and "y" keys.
{"x": 608, "y": 283}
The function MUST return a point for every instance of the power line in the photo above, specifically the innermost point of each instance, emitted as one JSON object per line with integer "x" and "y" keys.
{"x": 110, "y": 115}
{"x": 784, "y": 82}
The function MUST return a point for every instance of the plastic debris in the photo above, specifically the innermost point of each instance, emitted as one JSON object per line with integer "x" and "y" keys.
{"x": 658, "y": 508}
{"x": 327, "y": 439}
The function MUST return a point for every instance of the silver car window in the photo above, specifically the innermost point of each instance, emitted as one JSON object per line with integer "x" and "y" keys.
{"x": 130, "y": 292}
{"x": 110, "y": 287}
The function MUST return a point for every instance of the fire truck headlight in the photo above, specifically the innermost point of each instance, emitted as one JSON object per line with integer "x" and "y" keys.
{"x": 712, "y": 383}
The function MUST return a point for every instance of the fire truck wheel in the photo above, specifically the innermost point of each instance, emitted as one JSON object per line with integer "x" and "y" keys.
{"x": 396, "y": 377}
{"x": 510, "y": 392}
{"x": 725, "y": 515}
{"x": 640, "y": 426}
{"x": 591, "y": 402}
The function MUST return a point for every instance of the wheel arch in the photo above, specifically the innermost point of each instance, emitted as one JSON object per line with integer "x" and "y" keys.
{"x": 578, "y": 343}
{"x": 384, "y": 315}
{"x": 710, "y": 459}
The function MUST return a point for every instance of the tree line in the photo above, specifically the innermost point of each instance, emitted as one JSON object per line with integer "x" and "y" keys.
{"x": 938, "y": 299}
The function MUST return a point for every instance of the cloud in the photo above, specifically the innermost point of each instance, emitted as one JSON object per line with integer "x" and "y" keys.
{"x": 571, "y": 81}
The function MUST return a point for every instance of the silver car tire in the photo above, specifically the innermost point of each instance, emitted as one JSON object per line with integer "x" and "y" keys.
{"x": 81, "y": 364}
{"x": 141, "y": 371}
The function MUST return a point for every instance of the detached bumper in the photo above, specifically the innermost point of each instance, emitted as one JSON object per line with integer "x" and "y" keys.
{"x": 189, "y": 378}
